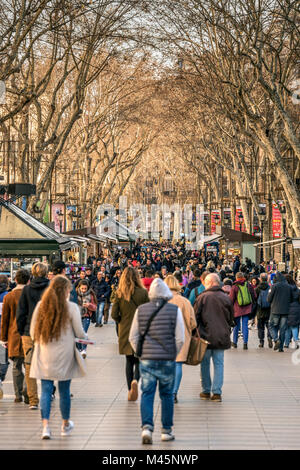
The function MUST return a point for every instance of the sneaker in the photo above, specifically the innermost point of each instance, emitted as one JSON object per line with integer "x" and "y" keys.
{"x": 83, "y": 353}
{"x": 167, "y": 436}
{"x": 100, "y": 325}
{"x": 280, "y": 350}
{"x": 261, "y": 344}
{"x": 296, "y": 344}
{"x": 245, "y": 346}
{"x": 234, "y": 345}
{"x": 270, "y": 343}
{"x": 96, "y": 325}
{"x": 146, "y": 436}
{"x": 133, "y": 392}
{"x": 33, "y": 407}
{"x": 1, "y": 390}
{"x": 46, "y": 434}
{"x": 66, "y": 430}
{"x": 18, "y": 400}
{"x": 277, "y": 344}
{"x": 216, "y": 397}
{"x": 205, "y": 396}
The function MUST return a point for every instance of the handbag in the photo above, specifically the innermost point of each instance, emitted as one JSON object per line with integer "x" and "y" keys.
{"x": 197, "y": 350}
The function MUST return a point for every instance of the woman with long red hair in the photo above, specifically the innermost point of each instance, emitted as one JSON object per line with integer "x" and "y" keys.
{"x": 55, "y": 324}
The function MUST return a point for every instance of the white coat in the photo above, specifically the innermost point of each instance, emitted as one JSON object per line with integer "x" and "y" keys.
{"x": 56, "y": 360}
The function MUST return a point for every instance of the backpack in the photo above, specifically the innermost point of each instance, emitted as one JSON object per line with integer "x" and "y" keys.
{"x": 262, "y": 299}
{"x": 244, "y": 296}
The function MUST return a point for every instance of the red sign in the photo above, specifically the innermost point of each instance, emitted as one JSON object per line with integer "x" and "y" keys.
{"x": 215, "y": 220}
{"x": 239, "y": 227}
{"x": 276, "y": 219}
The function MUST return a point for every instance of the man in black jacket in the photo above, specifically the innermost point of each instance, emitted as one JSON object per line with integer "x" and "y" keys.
{"x": 263, "y": 310}
{"x": 30, "y": 296}
{"x": 279, "y": 297}
{"x": 214, "y": 315}
{"x": 102, "y": 290}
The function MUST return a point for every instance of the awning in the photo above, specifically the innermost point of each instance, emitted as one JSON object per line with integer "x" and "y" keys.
{"x": 296, "y": 243}
{"x": 270, "y": 242}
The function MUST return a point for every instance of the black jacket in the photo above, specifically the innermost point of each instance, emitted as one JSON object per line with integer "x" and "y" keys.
{"x": 102, "y": 290}
{"x": 294, "y": 312}
{"x": 262, "y": 313}
{"x": 214, "y": 315}
{"x": 280, "y": 296}
{"x": 30, "y": 296}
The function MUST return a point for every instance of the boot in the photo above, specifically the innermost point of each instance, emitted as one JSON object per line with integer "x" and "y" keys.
{"x": 261, "y": 344}
{"x": 245, "y": 346}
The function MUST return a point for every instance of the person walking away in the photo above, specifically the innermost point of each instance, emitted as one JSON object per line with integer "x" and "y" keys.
{"x": 214, "y": 315}
{"x": 30, "y": 296}
{"x": 162, "y": 344}
{"x": 87, "y": 303}
{"x": 3, "y": 350}
{"x": 129, "y": 295}
{"x": 107, "y": 300}
{"x": 279, "y": 297}
{"x": 242, "y": 296}
{"x": 190, "y": 324}
{"x": 11, "y": 336}
{"x": 55, "y": 324}
{"x": 294, "y": 313}
{"x": 102, "y": 291}
{"x": 263, "y": 311}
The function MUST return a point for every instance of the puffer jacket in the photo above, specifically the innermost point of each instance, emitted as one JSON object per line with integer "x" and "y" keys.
{"x": 294, "y": 311}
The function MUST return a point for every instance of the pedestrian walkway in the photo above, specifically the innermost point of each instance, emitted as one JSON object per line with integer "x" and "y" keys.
{"x": 260, "y": 408}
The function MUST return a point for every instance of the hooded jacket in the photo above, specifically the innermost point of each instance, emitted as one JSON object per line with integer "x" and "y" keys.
{"x": 262, "y": 313}
{"x": 241, "y": 310}
{"x": 280, "y": 296}
{"x": 30, "y": 296}
{"x": 166, "y": 334}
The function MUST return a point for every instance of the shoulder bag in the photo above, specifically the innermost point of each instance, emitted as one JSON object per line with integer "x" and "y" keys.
{"x": 139, "y": 349}
{"x": 197, "y": 350}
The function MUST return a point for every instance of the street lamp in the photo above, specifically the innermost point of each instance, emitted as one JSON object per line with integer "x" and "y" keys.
{"x": 241, "y": 220}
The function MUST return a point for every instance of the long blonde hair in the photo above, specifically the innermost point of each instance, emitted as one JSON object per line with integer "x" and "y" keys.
{"x": 129, "y": 280}
{"x": 173, "y": 283}
{"x": 53, "y": 315}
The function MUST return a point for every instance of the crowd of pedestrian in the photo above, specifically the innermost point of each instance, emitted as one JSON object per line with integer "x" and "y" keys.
{"x": 158, "y": 295}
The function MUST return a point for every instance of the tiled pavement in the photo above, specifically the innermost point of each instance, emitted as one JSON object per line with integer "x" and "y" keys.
{"x": 260, "y": 408}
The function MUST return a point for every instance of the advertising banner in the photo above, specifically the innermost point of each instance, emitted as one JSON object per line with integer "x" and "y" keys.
{"x": 215, "y": 220}
{"x": 238, "y": 226}
{"x": 276, "y": 221}
{"x": 58, "y": 224}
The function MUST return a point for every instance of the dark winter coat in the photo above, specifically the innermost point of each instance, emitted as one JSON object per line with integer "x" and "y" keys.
{"x": 294, "y": 311}
{"x": 123, "y": 313}
{"x": 280, "y": 296}
{"x": 30, "y": 296}
{"x": 262, "y": 313}
{"x": 102, "y": 290}
{"x": 214, "y": 314}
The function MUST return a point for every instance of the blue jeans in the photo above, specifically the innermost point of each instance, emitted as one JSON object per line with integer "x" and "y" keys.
{"x": 64, "y": 398}
{"x": 178, "y": 377}
{"x": 217, "y": 356}
{"x": 291, "y": 331}
{"x": 99, "y": 312}
{"x": 86, "y": 321}
{"x": 278, "y": 325}
{"x": 162, "y": 372}
{"x": 245, "y": 330}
